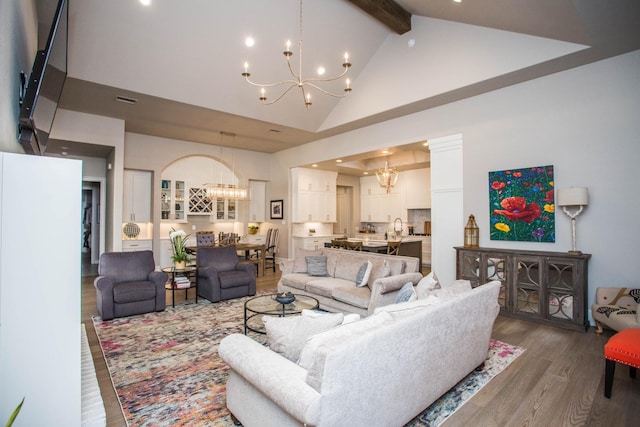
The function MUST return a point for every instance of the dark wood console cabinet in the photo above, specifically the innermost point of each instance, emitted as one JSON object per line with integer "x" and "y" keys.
{"x": 544, "y": 287}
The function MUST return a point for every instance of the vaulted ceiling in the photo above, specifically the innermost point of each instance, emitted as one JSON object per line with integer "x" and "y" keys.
{"x": 182, "y": 61}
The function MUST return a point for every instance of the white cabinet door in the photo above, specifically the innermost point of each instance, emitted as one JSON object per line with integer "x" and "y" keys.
{"x": 418, "y": 188}
{"x": 136, "y": 203}
{"x": 257, "y": 201}
{"x": 137, "y": 245}
{"x": 314, "y": 196}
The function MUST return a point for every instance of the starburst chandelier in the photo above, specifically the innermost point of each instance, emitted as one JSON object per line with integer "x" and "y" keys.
{"x": 387, "y": 177}
{"x": 297, "y": 80}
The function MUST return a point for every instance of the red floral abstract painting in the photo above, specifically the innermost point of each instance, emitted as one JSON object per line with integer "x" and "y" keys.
{"x": 522, "y": 204}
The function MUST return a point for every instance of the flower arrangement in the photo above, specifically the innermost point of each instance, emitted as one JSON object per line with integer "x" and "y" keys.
{"x": 178, "y": 245}
{"x": 253, "y": 229}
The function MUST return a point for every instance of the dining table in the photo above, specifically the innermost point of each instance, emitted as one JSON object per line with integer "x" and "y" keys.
{"x": 245, "y": 247}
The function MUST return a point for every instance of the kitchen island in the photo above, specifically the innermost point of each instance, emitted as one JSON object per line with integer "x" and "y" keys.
{"x": 410, "y": 246}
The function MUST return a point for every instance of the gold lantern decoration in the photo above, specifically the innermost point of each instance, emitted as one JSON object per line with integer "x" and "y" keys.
{"x": 471, "y": 233}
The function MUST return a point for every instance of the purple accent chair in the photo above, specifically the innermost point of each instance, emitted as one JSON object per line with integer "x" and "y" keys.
{"x": 221, "y": 276}
{"x": 127, "y": 284}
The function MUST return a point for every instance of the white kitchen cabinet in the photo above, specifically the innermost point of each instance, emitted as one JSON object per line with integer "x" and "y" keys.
{"x": 136, "y": 203}
{"x": 311, "y": 242}
{"x": 314, "y": 195}
{"x": 137, "y": 245}
{"x": 257, "y": 201}
{"x": 426, "y": 250}
{"x": 376, "y": 205}
{"x": 226, "y": 210}
{"x": 172, "y": 206}
{"x": 417, "y": 188}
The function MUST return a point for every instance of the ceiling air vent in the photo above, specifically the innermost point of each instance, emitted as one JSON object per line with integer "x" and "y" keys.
{"x": 126, "y": 100}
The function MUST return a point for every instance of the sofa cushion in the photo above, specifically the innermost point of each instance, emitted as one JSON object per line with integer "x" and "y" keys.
{"x": 299, "y": 262}
{"x": 406, "y": 293}
{"x": 295, "y": 280}
{"x": 356, "y": 296}
{"x": 427, "y": 284}
{"x": 287, "y": 335}
{"x": 408, "y": 308}
{"x": 379, "y": 270}
{"x": 317, "y": 265}
{"x": 133, "y": 291}
{"x": 348, "y": 266}
{"x": 455, "y": 288}
{"x": 363, "y": 274}
{"x": 320, "y": 345}
{"x": 615, "y": 317}
{"x": 324, "y": 286}
{"x": 233, "y": 278}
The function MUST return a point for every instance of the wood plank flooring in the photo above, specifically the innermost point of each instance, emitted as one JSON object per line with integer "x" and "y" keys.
{"x": 558, "y": 381}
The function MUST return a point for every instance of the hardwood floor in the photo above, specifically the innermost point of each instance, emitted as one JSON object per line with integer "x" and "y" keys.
{"x": 558, "y": 381}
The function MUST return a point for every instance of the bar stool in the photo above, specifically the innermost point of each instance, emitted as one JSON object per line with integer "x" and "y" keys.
{"x": 623, "y": 347}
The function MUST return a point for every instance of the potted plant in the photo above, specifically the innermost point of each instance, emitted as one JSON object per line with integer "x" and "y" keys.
{"x": 253, "y": 229}
{"x": 178, "y": 247}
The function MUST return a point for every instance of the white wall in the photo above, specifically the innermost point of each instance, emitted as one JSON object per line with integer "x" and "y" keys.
{"x": 583, "y": 121}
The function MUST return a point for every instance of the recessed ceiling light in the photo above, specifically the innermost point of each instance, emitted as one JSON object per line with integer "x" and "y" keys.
{"x": 249, "y": 41}
{"x": 64, "y": 153}
{"x": 366, "y": 173}
{"x": 338, "y": 161}
{"x": 385, "y": 151}
{"x": 425, "y": 144}
{"x": 314, "y": 165}
{"x": 321, "y": 71}
{"x": 145, "y": 2}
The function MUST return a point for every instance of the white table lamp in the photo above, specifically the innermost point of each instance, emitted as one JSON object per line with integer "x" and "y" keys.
{"x": 573, "y": 200}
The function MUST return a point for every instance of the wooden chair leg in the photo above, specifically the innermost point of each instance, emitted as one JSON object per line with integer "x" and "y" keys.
{"x": 609, "y": 370}
{"x": 598, "y": 327}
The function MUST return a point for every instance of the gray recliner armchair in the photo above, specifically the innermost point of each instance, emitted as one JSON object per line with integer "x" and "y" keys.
{"x": 221, "y": 276}
{"x": 127, "y": 284}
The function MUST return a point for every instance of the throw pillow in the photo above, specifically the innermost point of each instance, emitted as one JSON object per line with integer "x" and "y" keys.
{"x": 406, "y": 293}
{"x": 317, "y": 265}
{"x": 287, "y": 335}
{"x": 426, "y": 285}
{"x": 363, "y": 274}
{"x": 300, "y": 262}
{"x": 380, "y": 270}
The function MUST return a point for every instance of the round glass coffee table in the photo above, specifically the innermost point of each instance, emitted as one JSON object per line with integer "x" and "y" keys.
{"x": 266, "y": 305}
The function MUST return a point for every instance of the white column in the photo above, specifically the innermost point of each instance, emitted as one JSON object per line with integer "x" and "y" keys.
{"x": 447, "y": 215}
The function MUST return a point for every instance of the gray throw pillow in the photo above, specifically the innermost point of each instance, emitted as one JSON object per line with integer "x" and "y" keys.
{"x": 407, "y": 293}
{"x": 317, "y": 265}
{"x": 363, "y": 274}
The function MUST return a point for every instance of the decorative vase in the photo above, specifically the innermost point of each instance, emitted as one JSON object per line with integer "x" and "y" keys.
{"x": 180, "y": 265}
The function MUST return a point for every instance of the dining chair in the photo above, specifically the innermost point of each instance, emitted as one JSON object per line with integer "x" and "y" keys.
{"x": 271, "y": 248}
{"x": 393, "y": 248}
{"x": 205, "y": 238}
{"x": 354, "y": 246}
{"x": 339, "y": 243}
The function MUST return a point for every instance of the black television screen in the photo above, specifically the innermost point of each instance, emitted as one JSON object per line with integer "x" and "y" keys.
{"x": 44, "y": 87}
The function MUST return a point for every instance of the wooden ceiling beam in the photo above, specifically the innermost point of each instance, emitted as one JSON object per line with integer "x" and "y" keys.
{"x": 387, "y": 12}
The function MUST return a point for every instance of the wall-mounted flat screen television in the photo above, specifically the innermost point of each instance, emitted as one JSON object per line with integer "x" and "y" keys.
{"x": 44, "y": 86}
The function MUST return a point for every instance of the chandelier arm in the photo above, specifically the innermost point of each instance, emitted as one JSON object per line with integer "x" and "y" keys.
{"x": 326, "y": 92}
{"x": 281, "y": 95}
{"x": 318, "y": 79}
{"x": 293, "y": 82}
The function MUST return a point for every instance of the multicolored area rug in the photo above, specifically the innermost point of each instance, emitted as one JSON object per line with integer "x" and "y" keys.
{"x": 166, "y": 370}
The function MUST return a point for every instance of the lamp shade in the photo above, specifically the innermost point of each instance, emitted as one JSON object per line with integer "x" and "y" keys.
{"x": 574, "y": 196}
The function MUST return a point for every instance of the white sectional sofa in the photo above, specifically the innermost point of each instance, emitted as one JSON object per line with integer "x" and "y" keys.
{"x": 336, "y": 291}
{"x": 382, "y": 370}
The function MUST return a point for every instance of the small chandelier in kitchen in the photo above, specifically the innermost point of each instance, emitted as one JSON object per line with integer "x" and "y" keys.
{"x": 297, "y": 80}
{"x": 227, "y": 191}
{"x": 387, "y": 177}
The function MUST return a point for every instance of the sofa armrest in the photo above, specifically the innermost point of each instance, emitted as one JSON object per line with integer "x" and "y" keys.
{"x": 286, "y": 266}
{"x": 385, "y": 289}
{"x": 275, "y": 376}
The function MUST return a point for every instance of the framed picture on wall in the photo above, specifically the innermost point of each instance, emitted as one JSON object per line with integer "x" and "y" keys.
{"x": 277, "y": 209}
